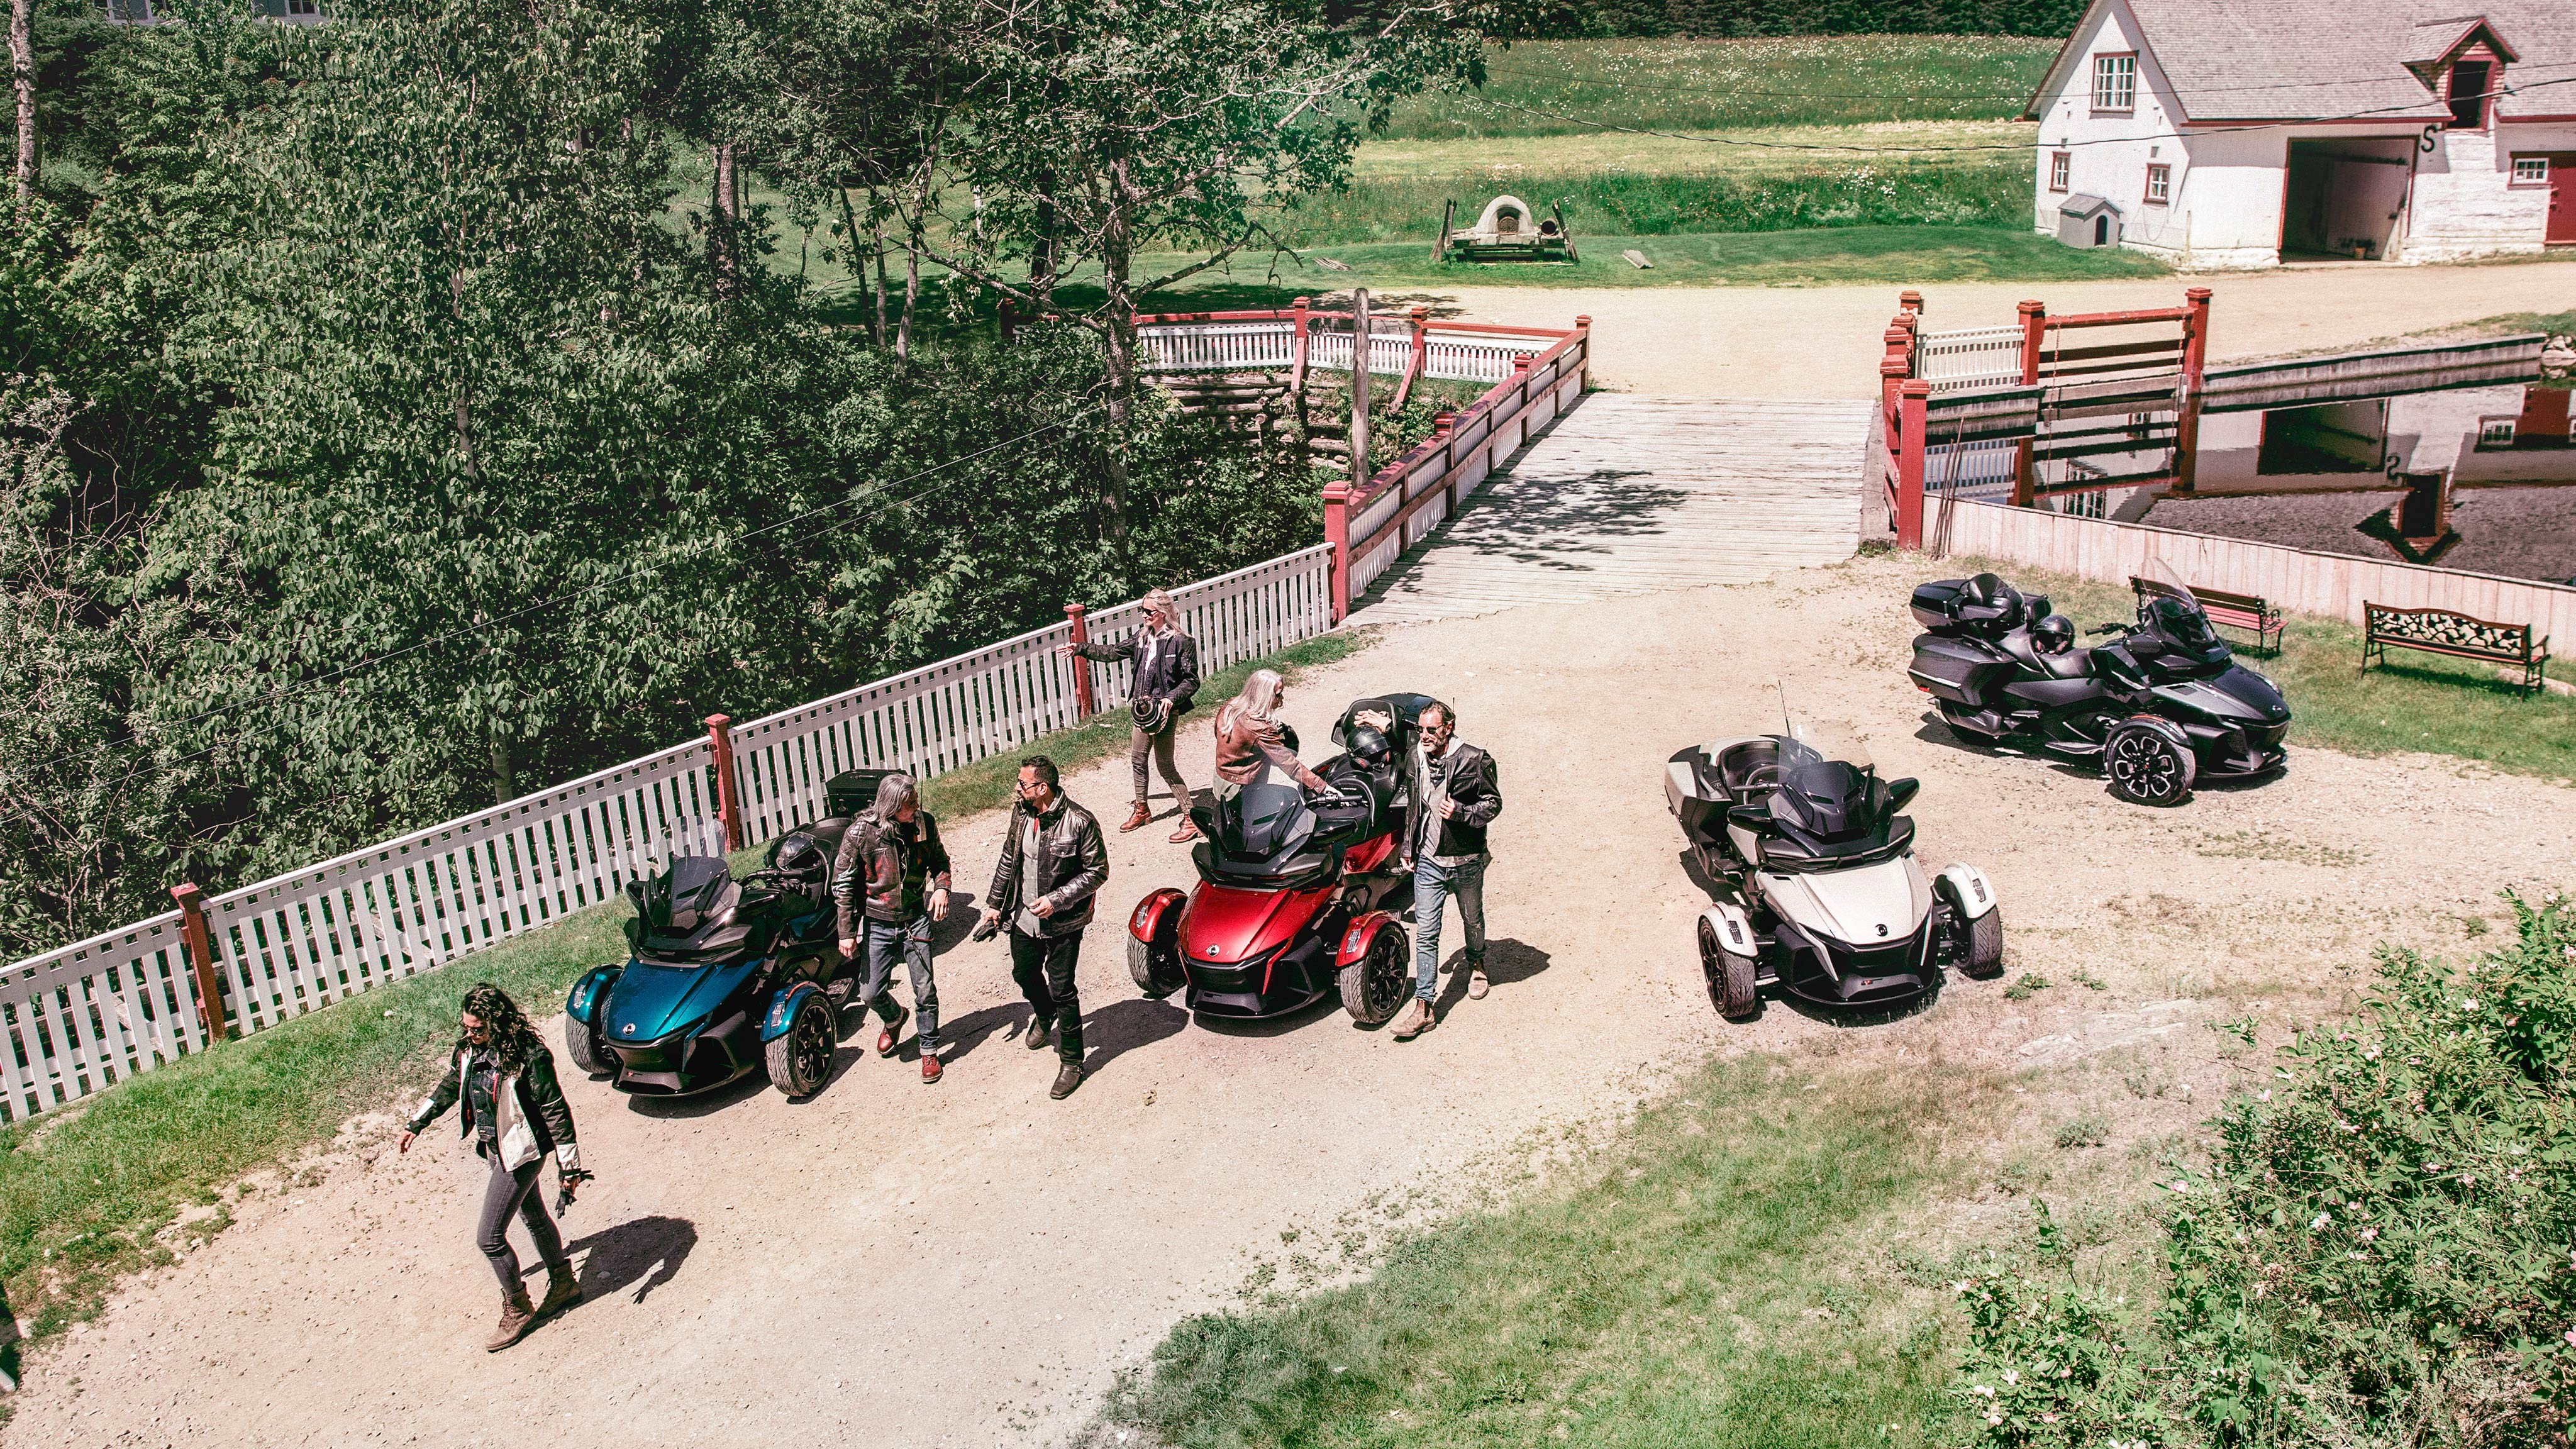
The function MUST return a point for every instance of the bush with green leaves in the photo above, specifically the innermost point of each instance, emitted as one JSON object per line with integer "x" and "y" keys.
{"x": 2381, "y": 1250}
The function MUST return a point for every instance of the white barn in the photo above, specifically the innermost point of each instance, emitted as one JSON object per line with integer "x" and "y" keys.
{"x": 2247, "y": 133}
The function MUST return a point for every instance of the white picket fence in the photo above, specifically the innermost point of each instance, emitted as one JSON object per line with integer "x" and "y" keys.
{"x": 90, "y": 1014}
{"x": 1260, "y": 343}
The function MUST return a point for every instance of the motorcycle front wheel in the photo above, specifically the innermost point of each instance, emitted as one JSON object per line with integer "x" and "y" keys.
{"x": 2145, "y": 766}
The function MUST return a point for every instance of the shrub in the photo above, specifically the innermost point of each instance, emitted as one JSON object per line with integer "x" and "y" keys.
{"x": 2383, "y": 1247}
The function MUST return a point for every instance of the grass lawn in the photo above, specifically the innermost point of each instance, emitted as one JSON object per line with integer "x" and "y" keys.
{"x": 1746, "y": 150}
{"x": 1824, "y": 256}
{"x": 1704, "y": 1280}
{"x": 2415, "y": 702}
{"x": 1701, "y": 85}
{"x": 86, "y": 1192}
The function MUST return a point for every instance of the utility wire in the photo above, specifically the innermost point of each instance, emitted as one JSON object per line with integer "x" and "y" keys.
{"x": 687, "y": 552}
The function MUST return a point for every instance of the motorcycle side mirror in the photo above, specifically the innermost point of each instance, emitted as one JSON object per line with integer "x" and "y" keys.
{"x": 1288, "y": 736}
{"x": 1901, "y": 791}
{"x": 2146, "y": 646}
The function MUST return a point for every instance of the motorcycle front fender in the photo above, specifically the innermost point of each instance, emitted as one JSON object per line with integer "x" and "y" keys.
{"x": 783, "y": 1007}
{"x": 1156, "y": 916}
{"x": 1361, "y": 931}
{"x": 1967, "y": 890}
{"x": 583, "y": 1001}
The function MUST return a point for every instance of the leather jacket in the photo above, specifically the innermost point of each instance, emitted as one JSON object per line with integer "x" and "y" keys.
{"x": 1073, "y": 864}
{"x": 1172, "y": 673}
{"x": 534, "y": 1121}
{"x": 882, "y": 869}
{"x": 1476, "y": 787}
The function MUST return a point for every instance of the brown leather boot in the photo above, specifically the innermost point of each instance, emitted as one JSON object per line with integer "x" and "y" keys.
{"x": 1415, "y": 1020}
{"x": 563, "y": 1290}
{"x": 1067, "y": 1077}
{"x": 517, "y": 1316}
{"x": 1137, "y": 817}
{"x": 1189, "y": 831}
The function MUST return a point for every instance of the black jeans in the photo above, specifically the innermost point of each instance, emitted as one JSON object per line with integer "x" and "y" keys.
{"x": 515, "y": 1192}
{"x": 1043, "y": 965}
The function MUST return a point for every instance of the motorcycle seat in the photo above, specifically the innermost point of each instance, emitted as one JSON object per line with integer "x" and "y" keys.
{"x": 2067, "y": 664}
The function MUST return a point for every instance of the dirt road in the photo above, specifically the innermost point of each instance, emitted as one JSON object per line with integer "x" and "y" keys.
{"x": 1818, "y": 342}
{"x": 970, "y": 1263}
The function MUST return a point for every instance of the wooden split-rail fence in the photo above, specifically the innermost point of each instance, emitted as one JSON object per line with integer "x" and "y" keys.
{"x": 82, "y": 1017}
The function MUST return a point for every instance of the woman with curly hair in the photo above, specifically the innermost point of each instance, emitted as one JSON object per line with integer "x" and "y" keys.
{"x": 515, "y": 1113}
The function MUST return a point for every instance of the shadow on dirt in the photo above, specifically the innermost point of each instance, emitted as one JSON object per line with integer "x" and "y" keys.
{"x": 1507, "y": 963}
{"x": 641, "y": 1253}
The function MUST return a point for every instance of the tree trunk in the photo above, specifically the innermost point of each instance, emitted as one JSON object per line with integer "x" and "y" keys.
{"x": 22, "y": 70}
{"x": 1359, "y": 386}
{"x": 505, "y": 780}
{"x": 720, "y": 224}
{"x": 1116, "y": 259}
{"x": 911, "y": 290}
{"x": 876, "y": 244}
{"x": 1042, "y": 249}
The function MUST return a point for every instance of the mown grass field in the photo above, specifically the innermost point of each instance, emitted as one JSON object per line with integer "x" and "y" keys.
{"x": 1693, "y": 1282}
{"x": 88, "y": 1192}
{"x": 2416, "y": 702}
{"x": 1710, "y": 85}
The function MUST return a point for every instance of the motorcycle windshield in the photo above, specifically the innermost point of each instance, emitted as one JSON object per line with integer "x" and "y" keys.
{"x": 1262, "y": 821}
{"x": 2169, "y": 611}
{"x": 1825, "y": 778}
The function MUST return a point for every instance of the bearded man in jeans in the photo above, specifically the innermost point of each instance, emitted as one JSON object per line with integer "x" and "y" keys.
{"x": 1453, "y": 794}
{"x": 1167, "y": 675}
{"x": 890, "y": 881}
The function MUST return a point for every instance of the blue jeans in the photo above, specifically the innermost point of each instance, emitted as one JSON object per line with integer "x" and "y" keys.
{"x": 909, "y": 943}
{"x": 1433, "y": 885}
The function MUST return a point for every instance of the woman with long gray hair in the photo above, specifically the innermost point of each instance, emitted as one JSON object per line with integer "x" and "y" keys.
{"x": 1251, "y": 744}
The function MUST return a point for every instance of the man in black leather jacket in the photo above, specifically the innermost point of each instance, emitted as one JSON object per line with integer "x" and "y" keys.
{"x": 1053, "y": 863}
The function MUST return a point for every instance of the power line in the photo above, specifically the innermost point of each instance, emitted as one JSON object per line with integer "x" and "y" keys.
{"x": 644, "y": 571}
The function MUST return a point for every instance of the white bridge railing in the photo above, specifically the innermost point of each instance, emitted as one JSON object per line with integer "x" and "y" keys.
{"x": 1970, "y": 357}
{"x": 76, "y": 1019}
{"x": 1255, "y": 341}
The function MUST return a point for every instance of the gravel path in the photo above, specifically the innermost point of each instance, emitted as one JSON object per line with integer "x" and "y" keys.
{"x": 971, "y": 1263}
{"x": 1819, "y": 342}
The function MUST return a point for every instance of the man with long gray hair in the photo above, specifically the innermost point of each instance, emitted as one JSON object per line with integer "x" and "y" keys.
{"x": 1167, "y": 675}
{"x": 891, "y": 882}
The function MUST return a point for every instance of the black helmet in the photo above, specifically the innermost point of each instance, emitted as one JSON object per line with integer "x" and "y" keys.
{"x": 1986, "y": 589}
{"x": 2052, "y": 635}
{"x": 1370, "y": 746}
{"x": 798, "y": 854}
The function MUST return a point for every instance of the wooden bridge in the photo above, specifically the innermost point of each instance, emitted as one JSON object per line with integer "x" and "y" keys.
{"x": 1630, "y": 495}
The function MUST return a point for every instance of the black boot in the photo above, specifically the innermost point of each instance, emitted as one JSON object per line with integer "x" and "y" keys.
{"x": 1036, "y": 1040}
{"x": 1067, "y": 1077}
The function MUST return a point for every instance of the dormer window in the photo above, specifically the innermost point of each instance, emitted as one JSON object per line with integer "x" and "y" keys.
{"x": 2468, "y": 94}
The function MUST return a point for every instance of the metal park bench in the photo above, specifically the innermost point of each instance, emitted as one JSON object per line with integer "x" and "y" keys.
{"x": 2439, "y": 631}
{"x": 2237, "y": 611}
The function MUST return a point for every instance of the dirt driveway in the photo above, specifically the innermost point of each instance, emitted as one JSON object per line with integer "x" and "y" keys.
{"x": 971, "y": 1263}
{"x": 1817, "y": 342}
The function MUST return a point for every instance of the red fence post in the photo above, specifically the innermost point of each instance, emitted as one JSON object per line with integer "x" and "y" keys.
{"x": 1910, "y": 302}
{"x": 1914, "y": 397}
{"x": 1337, "y": 532}
{"x": 2034, "y": 326}
{"x": 1081, "y": 667}
{"x": 2195, "y": 336}
{"x": 201, "y": 960}
{"x": 1583, "y": 329}
{"x": 1892, "y": 374}
{"x": 728, "y": 790}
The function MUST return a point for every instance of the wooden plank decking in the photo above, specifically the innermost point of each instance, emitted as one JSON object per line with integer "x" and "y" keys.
{"x": 1632, "y": 495}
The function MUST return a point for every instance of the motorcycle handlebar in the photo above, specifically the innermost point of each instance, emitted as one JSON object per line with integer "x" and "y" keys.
{"x": 2113, "y": 629}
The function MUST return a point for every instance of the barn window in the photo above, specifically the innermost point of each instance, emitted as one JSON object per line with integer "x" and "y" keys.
{"x": 2115, "y": 82}
{"x": 2469, "y": 95}
{"x": 2159, "y": 185}
{"x": 2531, "y": 171}
{"x": 304, "y": 9}
{"x": 2060, "y": 165}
